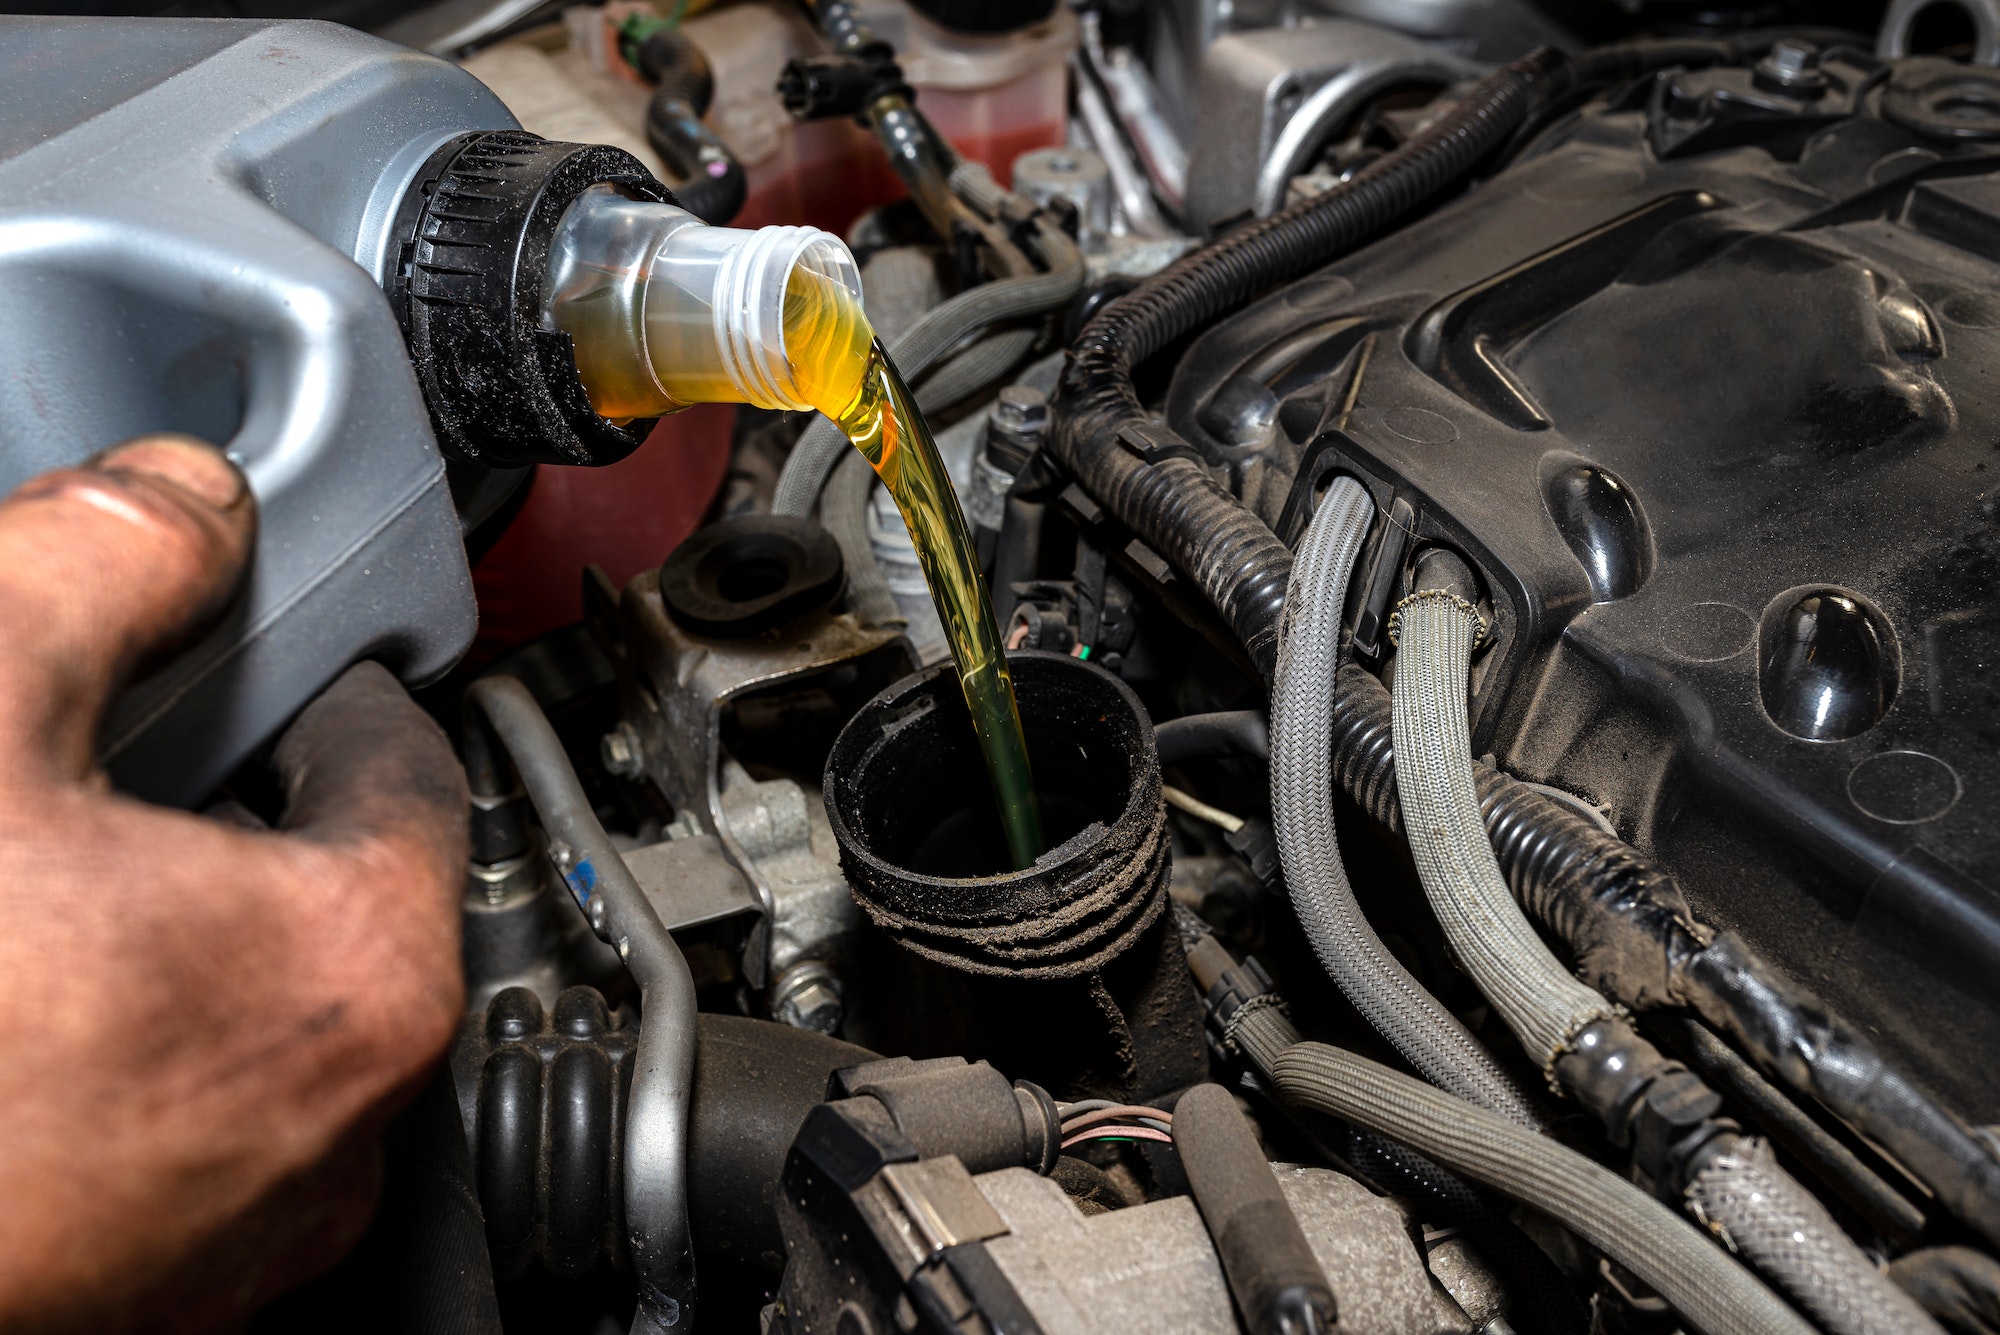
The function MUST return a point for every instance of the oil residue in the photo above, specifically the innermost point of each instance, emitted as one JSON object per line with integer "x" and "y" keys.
{"x": 843, "y": 371}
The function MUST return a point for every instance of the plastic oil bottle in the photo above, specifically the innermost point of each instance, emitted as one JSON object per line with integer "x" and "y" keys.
{"x": 666, "y": 312}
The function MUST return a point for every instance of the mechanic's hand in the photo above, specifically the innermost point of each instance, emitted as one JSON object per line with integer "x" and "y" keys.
{"x": 202, "y": 1026}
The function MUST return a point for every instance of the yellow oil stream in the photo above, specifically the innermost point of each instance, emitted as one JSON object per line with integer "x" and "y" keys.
{"x": 843, "y": 371}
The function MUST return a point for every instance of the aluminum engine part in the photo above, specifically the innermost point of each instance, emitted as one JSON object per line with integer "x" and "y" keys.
{"x": 1270, "y": 99}
{"x": 1078, "y": 175}
{"x": 1152, "y": 1267}
{"x": 1899, "y": 24}
{"x": 681, "y": 692}
{"x": 1010, "y": 1246}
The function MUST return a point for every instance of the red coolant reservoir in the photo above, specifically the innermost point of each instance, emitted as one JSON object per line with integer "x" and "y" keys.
{"x": 993, "y": 96}
{"x": 626, "y": 517}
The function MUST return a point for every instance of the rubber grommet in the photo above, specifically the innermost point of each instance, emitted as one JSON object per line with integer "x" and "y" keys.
{"x": 751, "y": 574}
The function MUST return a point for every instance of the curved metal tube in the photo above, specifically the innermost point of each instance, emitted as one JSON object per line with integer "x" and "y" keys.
{"x": 658, "y": 1108}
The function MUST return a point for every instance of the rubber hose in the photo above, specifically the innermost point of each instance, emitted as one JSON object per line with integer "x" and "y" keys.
{"x": 1539, "y": 1295}
{"x": 926, "y": 343}
{"x": 1541, "y": 1298}
{"x": 1839, "y": 1168}
{"x": 1957, "y": 1285}
{"x": 1761, "y": 1211}
{"x": 1540, "y": 1000}
{"x": 899, "y": 286}
{"x": 1740, "y": 1192}
{"x": 1105, "y": 439}
{"x": 1276, "y": 1280}
{"x": 974, "y": 184}
{"x": 1634, "y": 938}
{"x": 675, "y": 66}
{"x": 1395, "y": 1004}
{"x": 658, "y": 1104}
{"x": 977, "y": 367}
{"x": 1666, "y": 1252}
{"x": 713, "y": 185}
{"x": 1236, "y": 732}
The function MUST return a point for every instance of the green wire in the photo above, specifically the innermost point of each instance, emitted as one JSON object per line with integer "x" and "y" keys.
{"x": 637, "y": 27}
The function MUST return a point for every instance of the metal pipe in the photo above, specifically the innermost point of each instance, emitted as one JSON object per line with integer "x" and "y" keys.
{"x": 1135, "y": 193}
{"x": 659, "y": 1105}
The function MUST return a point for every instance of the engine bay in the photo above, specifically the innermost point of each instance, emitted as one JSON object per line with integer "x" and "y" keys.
{"x": 1490, "y": 508}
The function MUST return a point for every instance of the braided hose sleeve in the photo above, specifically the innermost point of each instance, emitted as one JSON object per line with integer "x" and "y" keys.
{"x": 1541, "y": 1001}
{"x": 1617, "y": 910}
{"x": 1635, "y": 939}
{"x": 1741, "y": 1193}
{"x": 1762, "y": 1212}
{"x": 1169, "y": 499}
{"x": 973, "y": 183}
{"x": 964, "y": 374}
{"x": 1702, "y": 1282}
{"x": 927, "y": 342}
{"x": 1428, "y": 1036}
{"x": 1539, "y": 1297}
{"x": 1899, "y": 1221}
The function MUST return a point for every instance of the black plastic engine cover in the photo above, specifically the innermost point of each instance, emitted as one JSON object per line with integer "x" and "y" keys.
{"x": 1709, "y": 389}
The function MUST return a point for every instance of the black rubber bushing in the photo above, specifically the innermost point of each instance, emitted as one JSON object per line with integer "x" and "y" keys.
{"x": 747, "y": 575}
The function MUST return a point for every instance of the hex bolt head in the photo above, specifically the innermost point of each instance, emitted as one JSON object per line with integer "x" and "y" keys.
{"x": 1022, "y": 409}
{"x": 1791, "y": 66}
{"x": 808, "y": 997}
{"x": 1792, "y": 57}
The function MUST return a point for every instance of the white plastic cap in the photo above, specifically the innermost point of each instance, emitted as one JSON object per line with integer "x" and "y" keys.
{"x": 666, "y": 311}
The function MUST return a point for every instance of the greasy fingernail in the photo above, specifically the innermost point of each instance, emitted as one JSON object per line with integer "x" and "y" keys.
{"x": 192, "y": 465}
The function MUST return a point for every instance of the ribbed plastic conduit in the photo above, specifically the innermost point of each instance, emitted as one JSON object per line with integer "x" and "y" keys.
{"x": 1173, "y": 503}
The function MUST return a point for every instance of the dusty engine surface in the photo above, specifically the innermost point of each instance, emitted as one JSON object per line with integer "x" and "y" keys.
{"x": 1704, "y": 382}
{"x": 1490, "y": 512}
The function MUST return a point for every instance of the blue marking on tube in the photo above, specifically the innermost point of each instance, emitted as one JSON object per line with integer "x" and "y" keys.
{"x": 582, "y": 880}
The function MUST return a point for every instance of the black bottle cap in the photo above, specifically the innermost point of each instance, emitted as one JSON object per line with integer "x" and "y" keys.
{"x": 476, "y": 226}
